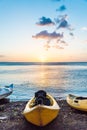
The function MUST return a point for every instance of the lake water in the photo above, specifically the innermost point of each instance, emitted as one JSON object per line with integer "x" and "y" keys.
{"x": 59, "y": 79}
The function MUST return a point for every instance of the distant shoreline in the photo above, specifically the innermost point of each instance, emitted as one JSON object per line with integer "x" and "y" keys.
{"x": 42, "y": 63}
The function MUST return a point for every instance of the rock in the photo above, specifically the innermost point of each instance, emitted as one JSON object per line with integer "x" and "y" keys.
{"x": 2, "y": 107}
{"x": 4, "y": 101}
{"x": 3, "y": 117}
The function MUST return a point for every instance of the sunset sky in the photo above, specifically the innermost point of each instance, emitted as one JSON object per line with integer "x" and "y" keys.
{"x": 43, "y": 30}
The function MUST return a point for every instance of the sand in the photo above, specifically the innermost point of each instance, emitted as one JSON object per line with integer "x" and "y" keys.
{"x": 11, "y": 117}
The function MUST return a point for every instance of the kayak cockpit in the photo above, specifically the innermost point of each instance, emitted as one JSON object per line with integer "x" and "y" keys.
{"x": 41, "y": 98}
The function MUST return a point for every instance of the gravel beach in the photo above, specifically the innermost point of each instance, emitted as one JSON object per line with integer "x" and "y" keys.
{"x": 11, "y": 117}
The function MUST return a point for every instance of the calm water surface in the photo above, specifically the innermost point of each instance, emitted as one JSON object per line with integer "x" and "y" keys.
{"x": 57, "y": 79}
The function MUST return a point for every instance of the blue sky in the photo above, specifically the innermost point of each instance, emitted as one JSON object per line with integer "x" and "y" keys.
{"x": 43, "y": 30}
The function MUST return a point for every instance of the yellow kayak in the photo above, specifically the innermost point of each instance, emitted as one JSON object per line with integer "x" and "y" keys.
{"x": 79, "y": 103}
{"x": 41, "y": 111}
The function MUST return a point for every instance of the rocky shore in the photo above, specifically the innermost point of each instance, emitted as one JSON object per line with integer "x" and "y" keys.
{"x": 11, "y": 117}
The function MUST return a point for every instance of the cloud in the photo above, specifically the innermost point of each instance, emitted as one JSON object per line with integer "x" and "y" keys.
{"x": 46, "y": 35}
{"x": 56, "y": 45}
{"x": 47, "y": 46}
{"x": 53, "y": 39}
{"x": 71, "y": 34}
{"x": 84, "y": 28}
{"x": 45, "y": 21}
{"x": 60, "y": 18}
{"x": 62, "y": 22}
{"x": 2, "y": 56}
{"x": 61, "y": 8}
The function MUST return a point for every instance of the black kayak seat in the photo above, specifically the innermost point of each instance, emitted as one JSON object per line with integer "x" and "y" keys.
{"x": 81, "y": 98}
{"x": 40, "y": 98}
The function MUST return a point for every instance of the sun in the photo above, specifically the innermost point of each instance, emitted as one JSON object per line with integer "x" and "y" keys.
{"x": 43, "y": 58}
